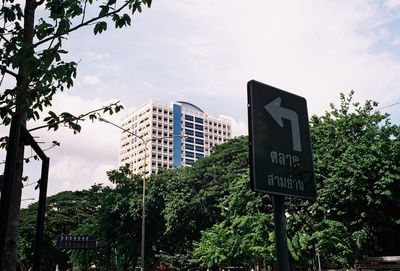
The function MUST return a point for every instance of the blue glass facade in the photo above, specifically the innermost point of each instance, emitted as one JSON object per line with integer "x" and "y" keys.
{"x": 177, "y": 130}
{"x": 188, "y": 150}
{"x": 193, "y": 128}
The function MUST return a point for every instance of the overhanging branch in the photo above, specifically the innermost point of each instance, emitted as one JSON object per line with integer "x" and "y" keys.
{"x": 80, "y": 117}
{"x": 7, "y": 41}
{"x": 57, "y": 35}
{"x": 5, "y": 70}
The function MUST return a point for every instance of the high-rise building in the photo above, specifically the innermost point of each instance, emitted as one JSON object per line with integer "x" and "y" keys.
{"x": 172, "y": 135}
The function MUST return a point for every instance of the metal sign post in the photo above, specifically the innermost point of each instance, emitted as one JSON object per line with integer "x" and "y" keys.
{"x": 282, "y": 254}
{"x": 20, "y": 135}
{"x": 280, "y": 153}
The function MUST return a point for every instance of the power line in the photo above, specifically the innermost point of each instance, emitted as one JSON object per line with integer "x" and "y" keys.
{"x": 390, "y": 105}
{"x": 29, "y": 184}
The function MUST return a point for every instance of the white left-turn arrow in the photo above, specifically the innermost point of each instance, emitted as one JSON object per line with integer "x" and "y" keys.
{"x": 278, "y": 113}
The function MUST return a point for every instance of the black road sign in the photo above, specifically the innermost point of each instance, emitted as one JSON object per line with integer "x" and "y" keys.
{"x": 280, "y": 147}
{"x": 75, "y": 242}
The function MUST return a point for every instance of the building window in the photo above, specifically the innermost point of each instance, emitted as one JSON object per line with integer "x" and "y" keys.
{"x": 187, "y": 117}
{"x": 200, "y": 148}
{"x": 189, "y": 154}
{"x": 199, "y": 134}
{"x": 189, "y": 139}
{"x": 189, "y": 146}
{"x": 199, "y": 127}
{"x": 199, "y": 141}
{"x": 198, "y": 120}
{"x": 189, "y": 132}
{"x": 198, "y": 155}
{"x": 188, "y": 125}
{"x": 189, "y": 161}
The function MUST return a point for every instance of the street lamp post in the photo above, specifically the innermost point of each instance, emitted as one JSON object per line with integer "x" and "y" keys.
{"x": 145, "y": 142}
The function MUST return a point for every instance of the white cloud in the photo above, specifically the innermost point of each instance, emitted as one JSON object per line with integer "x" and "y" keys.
{"x": 90, "y": 80}
{"x": 392, "y": 3}
{"x": 315, "y": 50}
{"x": 76, "y": 173}
{"x": 206, "y": 51}
{"x": 187, "y": 50}
{"x": 396, "y": 41}
{"x": 82, "y": 159}
{"x": 96, "y": 56}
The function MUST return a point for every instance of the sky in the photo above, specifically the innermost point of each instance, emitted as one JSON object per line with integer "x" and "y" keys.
{"x": 205, "y": 52}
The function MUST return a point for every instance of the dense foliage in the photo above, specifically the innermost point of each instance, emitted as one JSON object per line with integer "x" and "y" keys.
{"x": 207, "y": 216}
{"x": 356, "y": 156}
{"x": 65, "y": 212}
{"x": 244, "y": 237}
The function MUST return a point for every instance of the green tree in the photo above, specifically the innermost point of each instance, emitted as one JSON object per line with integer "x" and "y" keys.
{"x": 32, "y": 57}
{"x": 356, "y": 151}
{"x": 109, "y": 215}
{"x": 245, "y": 236}
{"x": 117, "y": 224}
{"x": 191, "y": 197}
{"x": 65, "y": 213}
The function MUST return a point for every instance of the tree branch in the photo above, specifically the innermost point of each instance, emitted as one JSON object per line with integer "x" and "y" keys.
{"x": 84, "y": 12}
{"x": 57, "y": 35}
{"x": 35, "y": 156}
{"x": 9, "y": 42}
{"x": 4, "y": 69}
{"x": 80, "y": 117}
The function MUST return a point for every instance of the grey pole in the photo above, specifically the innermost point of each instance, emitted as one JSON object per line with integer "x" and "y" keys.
{"x": 27, "y": 139}
{"x": 319, "y": 262}
{"x": 280, "y": 233}
{"x": 142, "y": 246}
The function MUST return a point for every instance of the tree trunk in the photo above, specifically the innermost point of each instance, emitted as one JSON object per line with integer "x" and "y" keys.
{"x": 10, "y": 259}
{"x": 10, "y": 249}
